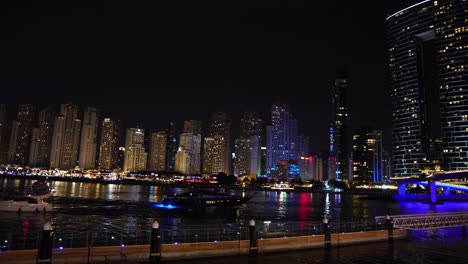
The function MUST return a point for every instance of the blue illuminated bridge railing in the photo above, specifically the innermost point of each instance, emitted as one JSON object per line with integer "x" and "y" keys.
{"x": 426, "y": 221}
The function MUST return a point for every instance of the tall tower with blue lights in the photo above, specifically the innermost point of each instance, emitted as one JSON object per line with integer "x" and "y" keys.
{"x": 339, "y": 154}
{"x": 282, "y": 139}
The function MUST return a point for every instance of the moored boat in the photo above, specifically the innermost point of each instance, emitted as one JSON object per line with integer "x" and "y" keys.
{"x": 203, "y": 198}
{"x": 26, "y": 204}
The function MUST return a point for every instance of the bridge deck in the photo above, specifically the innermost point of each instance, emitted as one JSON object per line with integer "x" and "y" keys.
{"x": 427, "y": 221}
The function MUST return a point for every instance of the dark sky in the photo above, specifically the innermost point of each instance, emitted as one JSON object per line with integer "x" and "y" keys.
{"x": 149, "y": 64}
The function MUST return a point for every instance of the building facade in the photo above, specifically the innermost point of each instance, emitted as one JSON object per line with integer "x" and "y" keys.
{"x": 339, "y": 153}
{"x": 157, "y": 153}
{"x": 135, "y": 153}
{"x": 89, "y": 138}
{"x": 368, "y": 155}
{"x": 220, "y": 131}
{"x": 282, "y": 139}
{"x": 66, "y": 138}
{"x": 41, "y": 141}
{"x": 20, "y": 139}
{"x": 109, "y": 144}
{"x": 188, "y": 154}
{"x": 429, "y": 89}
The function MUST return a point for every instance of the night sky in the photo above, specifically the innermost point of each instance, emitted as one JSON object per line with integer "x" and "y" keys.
{"x": 146, "y": 65}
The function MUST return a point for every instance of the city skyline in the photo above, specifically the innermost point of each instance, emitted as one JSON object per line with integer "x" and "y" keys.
{"x": 241, "y": 51}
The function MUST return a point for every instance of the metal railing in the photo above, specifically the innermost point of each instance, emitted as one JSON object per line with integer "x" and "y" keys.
{"x": 426, "y": 221}
{"x": 186, "y": 234}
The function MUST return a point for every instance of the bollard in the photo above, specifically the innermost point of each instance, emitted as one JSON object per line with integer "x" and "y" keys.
{"x": 155, "y": 247}
{"x": 253, "y": 249}
{"x": 44, "y": 255}
{"x": 389, "y": 224}
{"x": 327, "y": 230}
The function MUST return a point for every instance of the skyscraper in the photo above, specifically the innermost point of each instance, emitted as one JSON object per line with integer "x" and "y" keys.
{"x": 109, "y": 144}
{"x": 4, "y": 135}
{"x": 220, "y": 131}
{"x": 20, "y": 140}
{"x": 66, "y": 138}
{"x": 368, "y": 155}
{"x": 135, "y": 154}
{"x": 247, "y": 147}
{"x": 157, "y": 153}
{"x": 41, "y": 143}
{"x": 339, "y": 153}
{"x": 208, "y": 156}
{"x": 89, "y": 138}
{"x": 251, "y": 125}
{"x": 172, "y": 146}
{"x": 428, "y": 71}
{"x": 188, "y": 154}
{"x": 281, "y": 137}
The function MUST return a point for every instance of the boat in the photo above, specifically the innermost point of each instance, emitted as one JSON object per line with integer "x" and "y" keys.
{"x": 196, "y": 198}
{"x": 40, "y": 190}
{"x": 282, "y": 187}
{"x": 26, "y": 204}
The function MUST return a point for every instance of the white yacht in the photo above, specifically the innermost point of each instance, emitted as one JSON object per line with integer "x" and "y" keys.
{"x": 26, "y": 204}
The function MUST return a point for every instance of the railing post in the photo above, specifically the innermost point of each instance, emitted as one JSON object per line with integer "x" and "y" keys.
{"x": 389, "y": 225}
{"x": 155, "y": 247}
{"x": 44, "y": 254}
{"x": 327, "y": 231}
{"x": 253, "y": 248}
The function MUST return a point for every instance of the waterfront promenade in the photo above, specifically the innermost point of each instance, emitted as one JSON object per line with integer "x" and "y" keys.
{"x": 197, "y": 250}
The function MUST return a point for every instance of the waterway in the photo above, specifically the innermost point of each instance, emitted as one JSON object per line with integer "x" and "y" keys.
{"x": 126, "y": 208}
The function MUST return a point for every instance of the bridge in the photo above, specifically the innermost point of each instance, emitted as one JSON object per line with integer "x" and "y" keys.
{"x": 426, "y": 221}
{"x": 432, "y": 181}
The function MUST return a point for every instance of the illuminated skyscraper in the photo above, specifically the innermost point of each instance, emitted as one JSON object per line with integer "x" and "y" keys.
{"x": 281, "y": 137}
{"x": 41, "y": 143}
{"x": 172, "y": 146}
{"x": 135, "y": 154}
{"x": 66, "y": 138}
{"x": 188, "y": 154}
{"x": 220, "y": 131}
{"x": 247, "y": 147}
{"x": 4, "y": 135}
{"x": 429, "y": 88}
{"x": 20, "y": 140}
{"x": 89, "y": 134}
{"x": 109, "y": 144}
{"x": 157, "y": 153}
{"x": 368, "y": 155}
{"x": 208, "y": 156}
{"x": 339, "y": 153}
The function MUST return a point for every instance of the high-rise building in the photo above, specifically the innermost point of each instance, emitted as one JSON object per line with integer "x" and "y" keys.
{"x": 4, "y": 135}
{"x": 109, "y": 144}
{"x": 66, "y": 138}
{"x": 157, "y": 153}
{"x": 39, "y": 155}
{"x": 247, "y": 156}
{"x": 89, "y": 138}
{"x": 220, "y": 131}
{"x": 339, "y": 153}
{"x": 250, "y": 125}
{"x": 188, "y": 154}
{"x": 172, "y": 146}
{"x": 247, "y": 147}
{"x": 20, "y": 140}
{"x": 306, "y": 168}
{"x": 428, "y": 71}
{"x": 282, "y": 137}
{"x": 135, "y": 153}
{"x": 208, "y": 156}
{"x": 193, "y": 126}
{"x": 368, "y": 155}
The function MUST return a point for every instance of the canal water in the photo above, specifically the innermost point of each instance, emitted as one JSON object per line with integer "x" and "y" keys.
{"x": 112, "y": 208}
